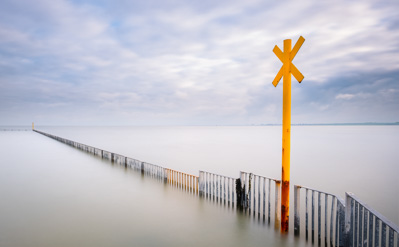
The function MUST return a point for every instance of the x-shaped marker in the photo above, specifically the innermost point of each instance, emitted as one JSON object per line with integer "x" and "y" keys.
{"x": 286, "y": 58}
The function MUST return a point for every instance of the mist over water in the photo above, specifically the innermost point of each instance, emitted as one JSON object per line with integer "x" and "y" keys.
{"x": 55, "y": 195}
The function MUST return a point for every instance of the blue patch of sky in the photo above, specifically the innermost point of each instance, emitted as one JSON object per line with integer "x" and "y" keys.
{"x": 358, "y": 83}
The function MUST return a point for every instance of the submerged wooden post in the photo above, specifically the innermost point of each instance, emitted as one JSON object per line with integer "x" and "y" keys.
{"x": 277, "y": 218}
{"x": 348, "y": 231}
{"x": 201, "y": 182}
{"x": 297, "y": 199}
{"x": 285, "y": 72}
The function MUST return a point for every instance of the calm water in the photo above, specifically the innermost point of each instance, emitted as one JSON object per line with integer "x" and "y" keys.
{"x": 54, "y": 195}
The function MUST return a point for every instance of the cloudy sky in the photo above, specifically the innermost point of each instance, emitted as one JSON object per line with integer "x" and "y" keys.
{"x": 161, "y": 62}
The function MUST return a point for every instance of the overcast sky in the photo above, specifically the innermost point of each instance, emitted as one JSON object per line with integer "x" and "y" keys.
{"x": 126, "y": 62}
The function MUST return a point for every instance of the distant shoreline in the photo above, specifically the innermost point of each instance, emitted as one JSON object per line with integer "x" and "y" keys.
{"x": 19, "y": 127}
{"x": 335, "y": 124}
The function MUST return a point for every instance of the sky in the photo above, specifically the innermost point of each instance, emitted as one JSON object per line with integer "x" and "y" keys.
{"x": 162, "y": 62}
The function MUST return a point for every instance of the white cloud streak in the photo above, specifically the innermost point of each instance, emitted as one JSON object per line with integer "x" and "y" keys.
{"x": 188, "y": 63}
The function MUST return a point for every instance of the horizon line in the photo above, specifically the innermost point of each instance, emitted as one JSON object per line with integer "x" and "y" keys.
{"x": 261, "y": 124}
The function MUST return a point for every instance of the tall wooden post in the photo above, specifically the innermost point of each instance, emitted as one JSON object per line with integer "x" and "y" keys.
{"x": 286, "y": 70}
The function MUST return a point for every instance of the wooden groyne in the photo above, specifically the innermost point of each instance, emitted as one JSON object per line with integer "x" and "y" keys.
{"x": 179, "y": 179}
{"x": 329, "y": 218}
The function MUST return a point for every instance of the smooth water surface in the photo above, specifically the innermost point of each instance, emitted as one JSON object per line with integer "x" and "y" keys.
{"x": 55, "y": 195}
{"x": 336, "y": 159}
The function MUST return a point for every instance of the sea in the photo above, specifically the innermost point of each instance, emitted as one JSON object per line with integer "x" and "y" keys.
{"x": 55, "y": 195}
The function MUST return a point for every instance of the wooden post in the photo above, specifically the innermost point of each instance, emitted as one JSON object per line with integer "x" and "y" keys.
{"x": 277, "y": 207}
{"x": 297, "y": 199}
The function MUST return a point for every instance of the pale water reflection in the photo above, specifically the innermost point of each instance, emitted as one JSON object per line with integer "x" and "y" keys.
{"x": 54, "y": 195}
{"x": 335, "y": 159}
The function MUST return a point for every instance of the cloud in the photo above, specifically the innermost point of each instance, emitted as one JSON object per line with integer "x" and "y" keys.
{"x": 195, "y": 61}
{"x": 346, "y": 96}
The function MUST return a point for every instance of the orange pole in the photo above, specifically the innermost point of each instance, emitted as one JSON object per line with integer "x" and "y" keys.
{"x": 286, "y": 70}
{"x": 285, "y": 188}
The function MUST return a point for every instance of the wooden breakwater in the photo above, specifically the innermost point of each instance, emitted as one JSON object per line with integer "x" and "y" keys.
{"x": 178, "y": 179}
{"x": 254, "y": 195}
{"x": 327, "y": 217}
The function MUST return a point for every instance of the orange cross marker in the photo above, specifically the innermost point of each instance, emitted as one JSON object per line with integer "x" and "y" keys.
{"x": 286, "y": 70}
{"x": 286, "y": 58}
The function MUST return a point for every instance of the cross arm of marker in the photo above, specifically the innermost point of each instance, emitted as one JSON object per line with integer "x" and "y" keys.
{"x": 288, "y": 62}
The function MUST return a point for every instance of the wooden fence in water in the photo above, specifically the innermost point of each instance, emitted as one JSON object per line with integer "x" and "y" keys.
{"x": 341, "y": 223}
